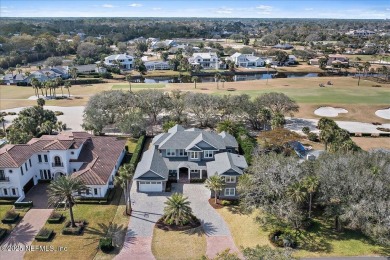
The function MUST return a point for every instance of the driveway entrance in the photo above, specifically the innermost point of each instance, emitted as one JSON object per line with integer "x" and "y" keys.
{"x": 38, "y": 195}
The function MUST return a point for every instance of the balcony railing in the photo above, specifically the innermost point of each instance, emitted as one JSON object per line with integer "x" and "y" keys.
{"x": 4, "y": 179}
{"x": 57, "y": 165}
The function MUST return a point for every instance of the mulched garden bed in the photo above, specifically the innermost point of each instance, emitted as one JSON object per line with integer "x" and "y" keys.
{"x": 215, "y": 206}
{"x": 193, "y": 224}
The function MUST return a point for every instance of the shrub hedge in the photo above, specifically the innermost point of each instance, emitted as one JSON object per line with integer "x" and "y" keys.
{"x": 55, "y": 218}
{"x": 85, "y": 81}
{"x": 105, "y": 244}
{"x": 3, "y": 233}
{"x": 44, "y": 235}
{"x": 24, "y": 204}
{"x": 74, "y": 231}
{"x": 11, "y": 217}
{"x": 137, "y": 151}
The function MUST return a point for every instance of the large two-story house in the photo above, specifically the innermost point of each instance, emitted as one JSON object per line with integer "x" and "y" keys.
{"x": 93, "y": 159}
{"x": 124, "y": 61}
{"x": 185, "y": 155}
{"x": 246, "y": 60}
{"x": 207, "y": 60}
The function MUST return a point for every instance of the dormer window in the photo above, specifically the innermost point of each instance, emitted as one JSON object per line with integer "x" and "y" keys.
{"x": 171, "y": 152}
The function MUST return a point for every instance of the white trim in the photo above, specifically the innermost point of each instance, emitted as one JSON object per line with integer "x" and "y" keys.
{"x": 229, "y": 189}
{"x": 170, "y": 154}
{"x": 197, "y": 155}
{"x": 232, "y": 179}
{"x": 207, "y": 151}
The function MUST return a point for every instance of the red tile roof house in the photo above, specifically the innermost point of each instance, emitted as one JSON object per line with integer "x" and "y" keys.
{"x": 93, "y": 159}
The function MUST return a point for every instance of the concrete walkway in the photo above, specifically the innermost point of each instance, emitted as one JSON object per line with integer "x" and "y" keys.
{"x": 218, "y": 236}
{"x": 22, "y": 236}
{"x": 147, "y": 209}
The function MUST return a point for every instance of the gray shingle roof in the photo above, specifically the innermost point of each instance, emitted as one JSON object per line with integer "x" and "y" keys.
{"x": 228, "y": 139}
{"x": 151, "y": 161}
{"x": 226, "y": 161}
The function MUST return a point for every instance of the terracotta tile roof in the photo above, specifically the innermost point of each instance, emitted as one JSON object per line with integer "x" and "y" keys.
{"x": 99, "y": 155}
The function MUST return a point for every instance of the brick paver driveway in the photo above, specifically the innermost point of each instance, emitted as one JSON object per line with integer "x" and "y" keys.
{"x": 147, "y": 209}
{"x": 16, "y": 244}
{"x": 218, "y": 236}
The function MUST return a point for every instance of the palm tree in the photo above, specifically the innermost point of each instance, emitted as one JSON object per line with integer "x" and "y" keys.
{"x": 2, "y": 121}
{"x": 11, "y": 70}
{"x": 195, "y": 79}
{"x": 366, "y": 67}
{"x": 297, "y": 192}
{"x": 223, "y": 79}
{"x": 35, "y": 82}
{"x": 311, "y": 184}
{"x": 123, "y": 179}
{"x": 217, "y": 78}
{"x": 228, "y": 126}
{"x": 18, "y": 68}
{"x": 73, "y": 73}
{"x": 268, "y": 66}
{"x": 59, "y": 82}
{"x": 63, "y": 190}
{"x": 327, "y": 136}
{"x": 216, "y": 184}
{"x": 128, "y": 79}
{"x": 68, "y": 85}
{"x": 265, "y": 116}
{"x": 41, "y": 102}
{"x": 177, "y": 210}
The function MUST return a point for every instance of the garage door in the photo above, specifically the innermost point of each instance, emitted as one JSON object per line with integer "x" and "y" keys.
{"x": 150, "y": 186}
{"x": 28, "y": 186}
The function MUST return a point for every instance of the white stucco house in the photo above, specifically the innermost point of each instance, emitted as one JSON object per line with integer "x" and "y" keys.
{"x": 124, "y": 61}
{"x": 208, "y": 60}
{"x": 93, "y": 159}
{"x": 246, "y": 60}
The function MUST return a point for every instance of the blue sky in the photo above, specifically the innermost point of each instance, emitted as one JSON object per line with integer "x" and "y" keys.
{"x": 344, "y": 9}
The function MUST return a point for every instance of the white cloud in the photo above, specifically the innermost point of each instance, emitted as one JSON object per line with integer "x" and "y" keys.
{"x": 224, "y": 10}
{"x": 309, "y": 9}
{"x": 108, "y": 6}
{"x": 265, "y": 8}
{"x": 135, "y": 5}
{"x": 156, "y": 8}
{"x": 266, "y": 13}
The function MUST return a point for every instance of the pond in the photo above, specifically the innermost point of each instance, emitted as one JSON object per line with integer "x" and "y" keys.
{"x": 241, "y": 77}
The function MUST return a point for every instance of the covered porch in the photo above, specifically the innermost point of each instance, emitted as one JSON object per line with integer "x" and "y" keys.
{"x": 186, "y": 171}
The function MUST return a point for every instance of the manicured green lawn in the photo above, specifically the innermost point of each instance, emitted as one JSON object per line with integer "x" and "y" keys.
{"x": 320, "y": 240}
{"x": 131, "y": 144}
{"x": 3, "y": 210}
{"x": 85, "y": 246}
{"x": 167, "y": 245}
{"x": 139, "y": 85}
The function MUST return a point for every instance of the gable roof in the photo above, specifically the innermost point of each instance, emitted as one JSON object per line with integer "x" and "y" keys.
{"x": 151, "y": 161}
{"x": 228, "y": 139}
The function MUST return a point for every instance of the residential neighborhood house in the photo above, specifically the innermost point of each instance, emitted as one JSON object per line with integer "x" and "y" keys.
{"x": 92, "y": 159}
{"x": 208, "y": 60}
{"x": 185, "y": 155}
{"x": 246, "y": 60}
{"x": 123, "y": 61}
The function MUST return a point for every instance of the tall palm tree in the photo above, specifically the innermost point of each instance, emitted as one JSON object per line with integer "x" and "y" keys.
{"x": 268, "y": 66}
{"x": 68, "y": 85}
{"x": 366, "y": 67}
{"x": 63, "y": 190}
{"x": 60, "y": 82}
{"x": 217, "y": 78}
{"x": 73, "y": 72}
{"x": 265, "y": 117}
{"x": 311, "y": 184}
{"x": 2, "y": 121}
{"x": 216, "y": 184}
{"x": 326, "y": 136}
{"x": 128, "y": 79}
{"x": 34, "y": 83}
{"x": 195, "y": 79}
{"x": 297, "y": 192}
{"x": 124, "y": 179}
{"x": 177, "y": 210}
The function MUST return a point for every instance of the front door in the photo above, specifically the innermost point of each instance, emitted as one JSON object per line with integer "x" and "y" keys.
{"x": 183, "y": 173}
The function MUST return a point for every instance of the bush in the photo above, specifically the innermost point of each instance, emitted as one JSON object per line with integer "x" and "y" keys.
{"x": 197, "y": 180}
{"x": 376, "y": 86}
{"x": 105, "y": 244}
{"x": 3, "y": 233}
{"x": 306, "y": 130}
{"x": 228, "y": 202}
{"x": 11, "y": 113}
{"x": 246, "y": 143}
{"x": 281, "y": 238}
{"x": 74, "y": 231}
{"x": 85, "y": 81}
{"x": 55, "y": 218}
{"x": 44, "y": 235}
{"x": 137, "y": 151}
{"x": 312, "y": 137}
{"x": 58, "y": 113}
{"x": 10, "y": 217}
{"x": 24, "y": 204}
{"x": 22, "y": 84}
{"x": 106, "y": 75}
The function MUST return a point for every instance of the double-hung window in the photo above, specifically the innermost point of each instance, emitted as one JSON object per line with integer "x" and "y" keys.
{"x": 230, "y": 179}
{"x": 182, "y": 153}
{"x": 194, "y": 155}
{"x": 230, "y": 191}
{"x": 171, "y": 152}
{"x": 208, "y": 154}
{"x": 39, "y": 158}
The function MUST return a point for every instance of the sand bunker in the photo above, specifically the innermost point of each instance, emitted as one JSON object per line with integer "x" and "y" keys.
{"x": 329, "y": 111}
{"x": 383, "y": 113}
